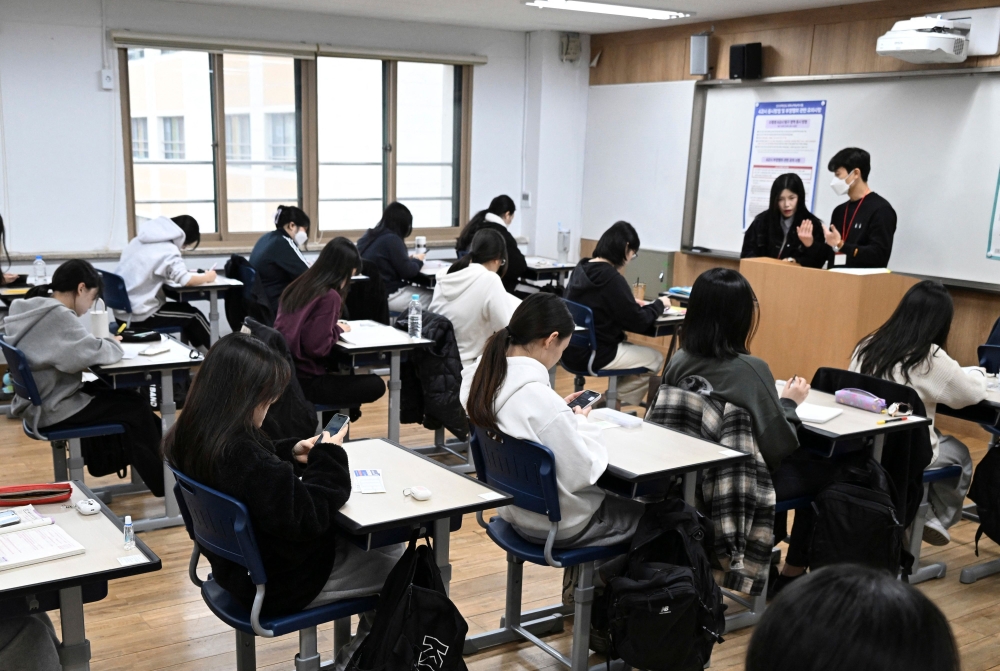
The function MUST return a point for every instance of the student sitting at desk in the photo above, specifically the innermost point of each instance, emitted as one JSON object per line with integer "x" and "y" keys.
{"x": 472, "y": 296}
{"x": 150, "y": 260}
{"x": 508, "y": 390}
{"x": 599, "y": 284}
{"x": 787, "y": 230}
{"x": 292, "y": 488}
{"x": 721, "y": 320}
{"x": 309, "y": 318}
{"x": 276, "y": 256}
{"x": 59, "y": 349}
{"x": 909, "y": 350}
{"x": 497, "y": 217}
{"x": 386, "y": 246}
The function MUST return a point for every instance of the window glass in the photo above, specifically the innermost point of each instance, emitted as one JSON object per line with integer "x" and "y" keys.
{"x": 350, "y": 112}
{"x": 259, "y": 93}
{"x": 173, "y": 168}
{"x": 426, "y": 125}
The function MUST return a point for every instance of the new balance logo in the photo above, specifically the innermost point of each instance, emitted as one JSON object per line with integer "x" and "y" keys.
{"x": 665, "y": 610}
{"x": 432, "y": 654}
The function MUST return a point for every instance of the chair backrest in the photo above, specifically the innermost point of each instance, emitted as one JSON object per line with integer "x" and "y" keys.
{"x": 20, "y": 373}
{"x": 989, "y": 358}
{"x": 523, "y": 469}
{"x": 583, "y": 316}
{"x": 115, "y": 294}
{"x": 246, "y": 274}
{"x": 994, "y": 337}
{"x": 220, "y": 524}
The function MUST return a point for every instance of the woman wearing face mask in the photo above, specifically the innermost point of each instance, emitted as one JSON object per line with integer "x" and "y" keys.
{"x": 787, "y": 230}
{"x": 861, "y": 230}
{"x": 497, "y": 217}
{"x": 150, "y": 260}
{"x": 276, "y": 256}
{"x": 46, "y": 328}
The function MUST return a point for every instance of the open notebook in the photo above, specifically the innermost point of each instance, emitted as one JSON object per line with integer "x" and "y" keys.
{"x": 36, "y": 545}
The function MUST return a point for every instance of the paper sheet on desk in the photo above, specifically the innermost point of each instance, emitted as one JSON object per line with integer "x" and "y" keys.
{"x": 816, "y": 414}
{"x": 367, "y": 481}
{"x": 36, "y": 545}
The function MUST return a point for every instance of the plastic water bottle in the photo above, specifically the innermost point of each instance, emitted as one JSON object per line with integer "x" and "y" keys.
{"x": 39, "y": 270}
{"x": 415, "y": 318}
{"x": 129, "y": 533}
{"x": 562, "y": 244}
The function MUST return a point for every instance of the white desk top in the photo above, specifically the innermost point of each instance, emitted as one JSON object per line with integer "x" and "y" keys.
{"x": 451, "y": 493}
{"x": 652, "y": 451}
{"x": 542, "y": 263}
{"x": 435, "y": 266}
{"x": 100, "y": 536}
{"x": 853, "y": 421}
{"x": 219, "y": 283}
{"x": 179, "y": 356}
{"x": 367, "y": 334}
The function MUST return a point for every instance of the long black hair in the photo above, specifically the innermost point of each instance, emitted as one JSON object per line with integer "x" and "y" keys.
{"x": 487, "y": 245}
{"x": 68, "y": 277}
{"x": 335, "y": 264}
{"x": 614, "y": 242}
{"x": 793, "y": 183}
{"x": 722, "y": 315}
{"x": 847, "y": 617}
{"x": 922, "y": 319}
{"x": 501, "y": 205}
{"x": 398, "y": 219}
{"x": 289, "y": 214}
{"x": 536, "y": 318}
{"x": 239, "y": 374}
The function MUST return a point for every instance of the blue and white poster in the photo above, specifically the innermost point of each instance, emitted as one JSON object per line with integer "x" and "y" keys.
{"x": 787, "y": 137}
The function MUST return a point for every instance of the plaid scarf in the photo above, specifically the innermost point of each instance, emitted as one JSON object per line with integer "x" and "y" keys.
{"x": 739, "y": 497}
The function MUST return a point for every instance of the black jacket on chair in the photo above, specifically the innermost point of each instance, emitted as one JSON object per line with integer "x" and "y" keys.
{"x": 905, "y": 454}
{"x": 368, "y": 299}
{"x": 432, "y": 377}
{"x": 238, "y": 306}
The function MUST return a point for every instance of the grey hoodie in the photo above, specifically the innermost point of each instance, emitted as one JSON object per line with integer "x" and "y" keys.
{"x": 150, "y": 259}
{"x": 58, "y": 348}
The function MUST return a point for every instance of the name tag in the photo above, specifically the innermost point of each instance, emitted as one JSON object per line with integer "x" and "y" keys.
{"x": 840, "y": 259}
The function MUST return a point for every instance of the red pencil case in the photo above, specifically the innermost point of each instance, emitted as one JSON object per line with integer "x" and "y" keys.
{"x": 23, "y": 495}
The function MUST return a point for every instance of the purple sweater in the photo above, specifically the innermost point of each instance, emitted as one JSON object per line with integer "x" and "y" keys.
{"x": 311, "y": 333}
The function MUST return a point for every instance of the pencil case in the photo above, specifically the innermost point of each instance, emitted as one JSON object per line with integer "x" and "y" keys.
{"x": 859, "y": 398}
{"x": 23, "y": 495}
{"x": 141, "y": 336}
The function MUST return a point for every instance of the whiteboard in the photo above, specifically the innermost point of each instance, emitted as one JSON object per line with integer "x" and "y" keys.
{"x": 935, "y": 146}
{"x": 635, "y": 161}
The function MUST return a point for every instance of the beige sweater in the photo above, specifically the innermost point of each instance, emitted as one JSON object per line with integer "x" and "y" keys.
{"x": 939, "y": 380}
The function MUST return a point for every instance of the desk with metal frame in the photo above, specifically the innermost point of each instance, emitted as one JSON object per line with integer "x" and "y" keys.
{"x": 198, "y": 292}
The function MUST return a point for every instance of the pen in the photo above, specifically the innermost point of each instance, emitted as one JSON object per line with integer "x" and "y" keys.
{"x": 213, "y": 266}
{"x": 894, "y": 419}
{"x": 122, "y": 328}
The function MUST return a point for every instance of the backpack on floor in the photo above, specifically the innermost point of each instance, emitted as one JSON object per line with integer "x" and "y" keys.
{"x": 665, "y": 612}
{"x": 857, "y": 522}
{"x": 416, "y": 624}
{"x": 985, "y": 492}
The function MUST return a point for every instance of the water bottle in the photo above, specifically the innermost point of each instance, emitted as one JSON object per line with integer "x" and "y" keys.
{"x": 415, "y": 317}
{"x": 39, "y": 270}
{"x": 129, "y": 533}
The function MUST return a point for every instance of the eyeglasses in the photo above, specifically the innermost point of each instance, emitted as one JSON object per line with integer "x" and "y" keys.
{"x": 899, "y": 409}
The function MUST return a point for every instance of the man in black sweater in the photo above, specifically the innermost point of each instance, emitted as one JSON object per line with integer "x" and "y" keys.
{"x": 861, "y": 230}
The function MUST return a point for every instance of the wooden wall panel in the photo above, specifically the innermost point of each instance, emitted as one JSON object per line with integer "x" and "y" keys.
{"x": 687, "y": 267}
{"x": 975, "y": 312}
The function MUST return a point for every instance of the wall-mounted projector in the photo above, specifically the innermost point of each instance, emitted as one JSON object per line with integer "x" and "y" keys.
{"x": 926, "y": 39}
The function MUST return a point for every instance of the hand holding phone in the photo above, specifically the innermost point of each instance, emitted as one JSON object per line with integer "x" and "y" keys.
{"x": 584, "y": 400}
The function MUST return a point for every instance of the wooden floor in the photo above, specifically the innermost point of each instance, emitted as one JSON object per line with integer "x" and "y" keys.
{"x": 158, "y": 620}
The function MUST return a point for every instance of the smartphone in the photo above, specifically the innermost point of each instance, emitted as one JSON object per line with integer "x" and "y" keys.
{"x": 336, "y": 423}
{"x": 585, "y": 400}
{"x": 9, "y": 518}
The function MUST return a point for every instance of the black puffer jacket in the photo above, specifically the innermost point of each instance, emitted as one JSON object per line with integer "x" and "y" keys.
{"x": 431, "y": 379}
{"x": 242, "y": 302}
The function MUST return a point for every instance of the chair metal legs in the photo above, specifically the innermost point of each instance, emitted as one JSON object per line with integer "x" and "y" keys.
{"x": 246, "y": 652}
{"x": 922, "y": 573}
{"x": 59, "y": 465}
{"x": 75, "y": 462}
{"x": 612, "y": 397}
{"x": 341, "y": 634}
{"x": 584, "y": 597}
{"x": 308, "y": 657}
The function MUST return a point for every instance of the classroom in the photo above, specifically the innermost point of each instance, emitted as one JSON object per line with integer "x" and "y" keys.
{"x": 508, "y": 334}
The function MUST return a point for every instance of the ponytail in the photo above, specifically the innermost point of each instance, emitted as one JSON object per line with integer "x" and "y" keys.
{"x": 289, "y": 214}
{"x": 39, "y": 290}
{"x": 68, "y": 277}
{"x": 487, "y": 245}
{"x": 536, "y": 318}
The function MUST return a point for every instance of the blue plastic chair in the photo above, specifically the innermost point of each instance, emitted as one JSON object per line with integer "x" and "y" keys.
{"x": 938, "y": 569}
{"x": 116, "y": 297}
{"x": 221, "y": 525}
{"x": 989, "y": 358}
{"x": 584, "y": 316}
{"x": 24, "y": 386}
{"x": 527, "y": 471}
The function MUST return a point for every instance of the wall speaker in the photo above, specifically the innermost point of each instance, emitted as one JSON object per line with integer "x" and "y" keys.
{"x": 746, "y": 61}
{"x": 699, "y": 54}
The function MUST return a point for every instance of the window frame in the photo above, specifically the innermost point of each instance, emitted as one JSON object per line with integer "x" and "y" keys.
{"x": 307, "y": 151}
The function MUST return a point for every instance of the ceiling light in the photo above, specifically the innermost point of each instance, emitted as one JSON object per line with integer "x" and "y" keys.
{"x": 602, "y": 8}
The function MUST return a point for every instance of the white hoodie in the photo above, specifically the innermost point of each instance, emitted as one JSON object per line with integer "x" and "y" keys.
{"x": 528, "y": 408}
{"x": 150, "y": 259}
{"x": 475, "y": 302}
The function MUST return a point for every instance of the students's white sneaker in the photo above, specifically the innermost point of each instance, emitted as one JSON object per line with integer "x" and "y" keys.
{"x": 935, "y": 533}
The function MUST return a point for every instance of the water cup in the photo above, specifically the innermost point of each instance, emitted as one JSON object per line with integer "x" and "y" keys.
{"x": 99, "y": 324}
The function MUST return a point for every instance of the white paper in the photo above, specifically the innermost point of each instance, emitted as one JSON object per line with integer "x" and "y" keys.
{"x": 132, "y": 560}
{"x": 36, "y": 545}
{"x": 29, "y": 520}
{"x": 490, "y": 496}
{"x": 367, "y": 481}
{"x": 367, "y": 333}
{"x": 816, "y": 414}
{"x": 857, "y": 271}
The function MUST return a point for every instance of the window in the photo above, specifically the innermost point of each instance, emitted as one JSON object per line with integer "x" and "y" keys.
{"x": 140, "y": 138}
{"x": 173, "y": 137}
{"x": 237, "y": 137}
{"x": 227, "y": 137}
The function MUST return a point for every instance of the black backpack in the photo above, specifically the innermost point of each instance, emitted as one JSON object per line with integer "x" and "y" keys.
{"x": 985, "y": 492}
{"x": 416, "y": 625}
{"x": 857, "y": 522}
{"x": 666, "y": 612}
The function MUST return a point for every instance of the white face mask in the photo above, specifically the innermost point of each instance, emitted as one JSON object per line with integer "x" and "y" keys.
{"x": 840, "y": 186}
{"x": 300, "y": 237}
